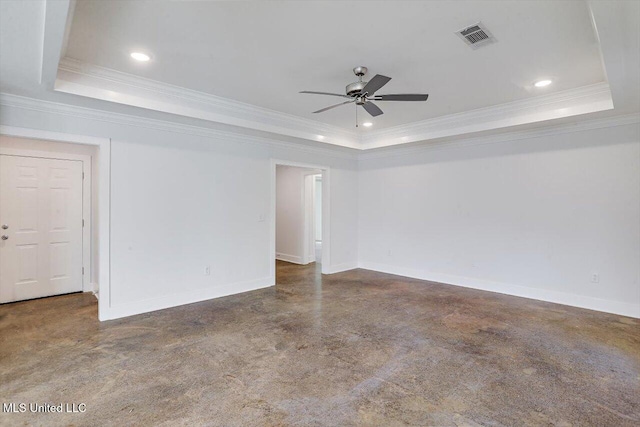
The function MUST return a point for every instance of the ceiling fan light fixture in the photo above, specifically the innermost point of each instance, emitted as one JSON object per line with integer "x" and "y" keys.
{"x": 542, "y": 83}
{"x": 139, "y": 56}
{"x": 367, "y": 124}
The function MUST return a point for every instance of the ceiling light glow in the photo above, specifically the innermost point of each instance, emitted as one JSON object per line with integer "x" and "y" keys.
{"x": 542, "y": 83}
{"x": 367, "y": 124}
{"x": 320, "y": 137}
{"x": 139, "y": 56}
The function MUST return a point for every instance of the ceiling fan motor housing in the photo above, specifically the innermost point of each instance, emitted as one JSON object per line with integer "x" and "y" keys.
{"x": 355, "y": 88}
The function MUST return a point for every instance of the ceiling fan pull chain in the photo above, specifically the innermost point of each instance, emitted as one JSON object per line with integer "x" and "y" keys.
{"x": 356, "y": 114}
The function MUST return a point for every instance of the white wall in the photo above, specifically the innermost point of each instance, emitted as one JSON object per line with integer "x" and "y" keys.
{"x": 181, "y": 201}
{"x": 534, "y": 217}
{"x": 32, "y": 145}
{"x": 290, "y": 213}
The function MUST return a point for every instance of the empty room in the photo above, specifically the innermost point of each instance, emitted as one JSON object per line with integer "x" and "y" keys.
{"x": 320, "y": 213}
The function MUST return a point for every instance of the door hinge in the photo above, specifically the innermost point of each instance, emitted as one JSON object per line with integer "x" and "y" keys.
{"x": 83, "y": 222}
{"x": 82, "y": 175}
{"x": 83, "y": 270}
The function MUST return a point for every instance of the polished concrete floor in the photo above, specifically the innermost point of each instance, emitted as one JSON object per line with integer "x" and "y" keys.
{"x": 355, "y": 348}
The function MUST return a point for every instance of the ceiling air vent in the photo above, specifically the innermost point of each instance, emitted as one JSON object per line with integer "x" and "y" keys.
{"x": 476, "y": 35}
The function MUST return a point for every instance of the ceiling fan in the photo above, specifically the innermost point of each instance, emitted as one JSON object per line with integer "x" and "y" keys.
{"x": 362, "y": 93}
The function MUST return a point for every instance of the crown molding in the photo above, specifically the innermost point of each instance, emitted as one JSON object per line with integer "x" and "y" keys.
{"x": 582, "y": 100}
{"x": 33, "y": 104}
{"x": 516, "y": 135}
{"x": 97, "y": 82}
{"x": 110, "y": 85}
{"x": 21, "y": 102}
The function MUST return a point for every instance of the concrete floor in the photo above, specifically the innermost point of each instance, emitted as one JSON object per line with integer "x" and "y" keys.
{"x": 355, "y": 348}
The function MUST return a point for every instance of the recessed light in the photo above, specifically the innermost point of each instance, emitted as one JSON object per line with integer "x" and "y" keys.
{"x": 542, "y": 83}
{"x": 139, "y": 56}
{"x": 320, "y": 137}
{"x": 367, "y": 124}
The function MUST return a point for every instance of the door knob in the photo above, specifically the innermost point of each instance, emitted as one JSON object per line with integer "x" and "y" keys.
{"x": 5, "y": 226}
{"x": 4, "y": 237}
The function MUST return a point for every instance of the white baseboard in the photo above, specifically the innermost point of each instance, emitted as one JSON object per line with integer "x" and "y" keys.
{"x": 174, "y": 300}
{"x": 338, "y": 268}
{"x": 591, "y": 303}
{"x": 289, "y": 258}
{"x": 95, "y": 290}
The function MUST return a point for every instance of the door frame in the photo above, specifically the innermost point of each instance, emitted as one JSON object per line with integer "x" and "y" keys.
{"x": 104, "y": 202}
{"x": 325, "y": 171}
{"x": 87, "y": 271}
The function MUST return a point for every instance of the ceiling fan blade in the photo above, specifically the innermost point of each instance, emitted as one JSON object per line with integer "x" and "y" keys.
{"x": 324, "y": 93}
{"x": 402, "y": 97}
{"x": 372, "y": 108}
{"x": 334, "y": 106}
{"x": 375, "y": 83}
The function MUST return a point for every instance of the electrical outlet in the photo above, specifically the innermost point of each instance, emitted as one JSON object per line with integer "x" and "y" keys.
{"x": 207, "y": 270}
{"x": 595, "y": 278}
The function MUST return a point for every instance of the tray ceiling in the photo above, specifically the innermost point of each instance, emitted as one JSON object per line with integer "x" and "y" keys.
{"x": 263, "y": 53}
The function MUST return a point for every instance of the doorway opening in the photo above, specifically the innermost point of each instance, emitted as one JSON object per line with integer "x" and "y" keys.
{"x": 312, "y": 221}
{"x": 317, "y": 216}
{"x": 300, "y": 226}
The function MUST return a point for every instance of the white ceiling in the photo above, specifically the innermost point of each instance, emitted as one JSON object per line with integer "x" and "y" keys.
{"x": 264, "y": 52}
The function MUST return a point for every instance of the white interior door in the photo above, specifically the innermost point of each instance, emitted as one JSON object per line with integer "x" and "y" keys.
{"x": 41, "y": 227}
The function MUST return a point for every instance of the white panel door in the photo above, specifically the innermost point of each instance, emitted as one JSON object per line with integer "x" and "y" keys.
{"x": 41, "y": 227}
